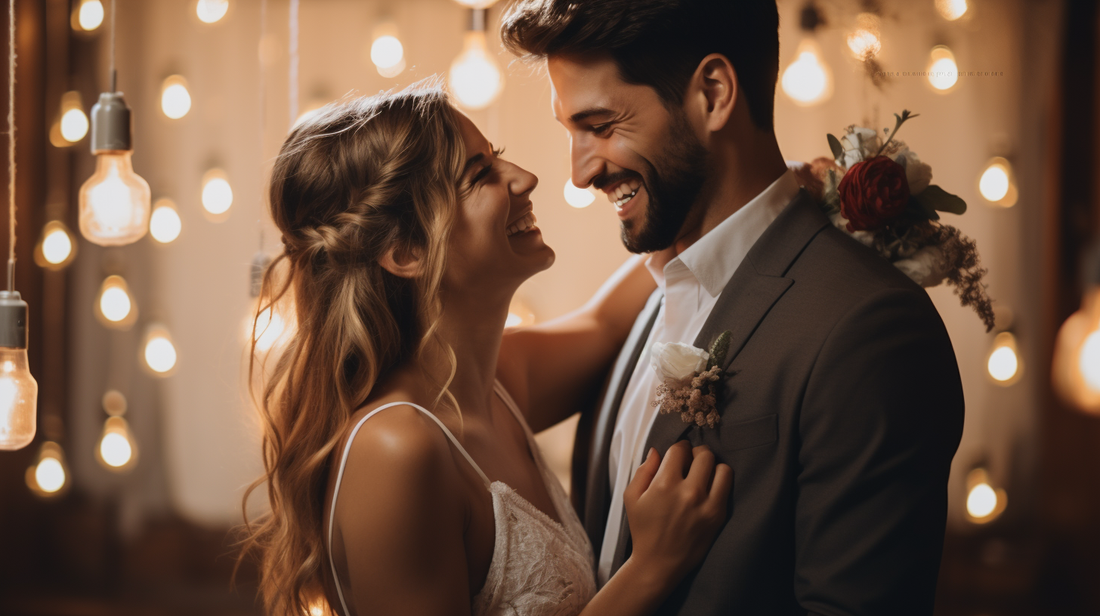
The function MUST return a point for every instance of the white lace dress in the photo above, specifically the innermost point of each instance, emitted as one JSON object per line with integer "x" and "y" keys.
{"x": 539, "y": 567}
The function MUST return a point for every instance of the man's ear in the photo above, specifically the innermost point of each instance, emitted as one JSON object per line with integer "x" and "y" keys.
{"x": 713, "y": 91}
{"x": 401, "y": 262}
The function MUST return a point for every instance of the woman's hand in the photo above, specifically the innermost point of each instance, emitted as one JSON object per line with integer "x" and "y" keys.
{"x": 675, "y": 508}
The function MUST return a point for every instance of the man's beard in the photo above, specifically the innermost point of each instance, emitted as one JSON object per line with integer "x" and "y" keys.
{"x": 673, "y": 184}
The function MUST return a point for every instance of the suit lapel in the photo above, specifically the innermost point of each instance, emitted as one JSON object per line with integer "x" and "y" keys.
{"x": 596, "y": 503}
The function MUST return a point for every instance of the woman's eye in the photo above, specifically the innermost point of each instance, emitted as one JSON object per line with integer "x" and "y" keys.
{"x": 481, "y": 174}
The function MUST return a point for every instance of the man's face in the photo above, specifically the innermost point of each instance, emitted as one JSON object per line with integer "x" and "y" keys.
{"x": 626, "y": 143}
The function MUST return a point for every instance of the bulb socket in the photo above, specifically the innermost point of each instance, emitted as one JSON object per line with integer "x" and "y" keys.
{"x": 1090, "y": 267}
{"x": 479, "y": 19}
{"x": 13, "y": 320}
{"x": 111, "y": 124}
{"x": 260, "y": 261}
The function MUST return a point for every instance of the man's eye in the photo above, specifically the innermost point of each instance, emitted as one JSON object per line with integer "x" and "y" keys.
{"x": 600, "y": 129}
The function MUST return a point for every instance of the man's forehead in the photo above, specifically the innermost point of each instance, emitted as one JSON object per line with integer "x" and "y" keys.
{"x": 582, "y": 85}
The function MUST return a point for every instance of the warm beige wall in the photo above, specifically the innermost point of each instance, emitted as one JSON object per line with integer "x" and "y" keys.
{"x": 198, "y": 285}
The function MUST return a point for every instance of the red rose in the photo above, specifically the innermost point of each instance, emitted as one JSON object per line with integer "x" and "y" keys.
{"x": 873, "y": 193}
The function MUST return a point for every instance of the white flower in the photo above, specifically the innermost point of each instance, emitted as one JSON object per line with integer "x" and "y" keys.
{"x": 866, "y": 238}
{"x": 859, "y": 145}
{"x": 918, "y": 174}
{"x": 926, "y": 267}
{"x": 676, "y": 360}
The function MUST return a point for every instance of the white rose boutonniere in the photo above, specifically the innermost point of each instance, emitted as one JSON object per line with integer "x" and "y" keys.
{"x": 689, "y": 376}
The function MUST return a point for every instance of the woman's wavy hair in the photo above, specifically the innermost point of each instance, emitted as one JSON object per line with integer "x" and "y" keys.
{"x": 361, "y": 177}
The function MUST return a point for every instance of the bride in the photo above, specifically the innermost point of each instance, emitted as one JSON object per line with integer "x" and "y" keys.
{"x": 401, "y": 470}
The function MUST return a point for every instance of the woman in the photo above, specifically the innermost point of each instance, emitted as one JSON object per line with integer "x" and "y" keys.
{"x": 406, "y": 236}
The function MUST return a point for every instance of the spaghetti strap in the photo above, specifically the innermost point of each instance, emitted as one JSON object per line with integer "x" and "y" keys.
{"x": 340, "y": 476}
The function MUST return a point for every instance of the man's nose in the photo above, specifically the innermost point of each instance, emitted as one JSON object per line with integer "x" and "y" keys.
{"x": 585, "y": 161}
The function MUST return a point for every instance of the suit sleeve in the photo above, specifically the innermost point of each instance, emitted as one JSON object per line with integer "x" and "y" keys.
{"x": 880, "y": 422}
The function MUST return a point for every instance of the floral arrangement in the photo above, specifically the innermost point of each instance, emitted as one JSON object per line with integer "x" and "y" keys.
{"x": 881, "y": 194}
{"x": 687, "y": 379}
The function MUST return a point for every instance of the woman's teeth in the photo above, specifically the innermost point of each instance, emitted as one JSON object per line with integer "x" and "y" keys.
{"x": 622, "y": 195}
{"x": 522, "y": 224}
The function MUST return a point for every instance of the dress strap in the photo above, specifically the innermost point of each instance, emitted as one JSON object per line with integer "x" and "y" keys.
{"x": 343, "y": 463}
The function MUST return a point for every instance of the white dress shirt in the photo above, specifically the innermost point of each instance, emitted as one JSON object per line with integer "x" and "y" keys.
{"x": 691, "y": 283}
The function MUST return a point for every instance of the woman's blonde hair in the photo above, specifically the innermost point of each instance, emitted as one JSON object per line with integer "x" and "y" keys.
{"x": 362, "y": 177}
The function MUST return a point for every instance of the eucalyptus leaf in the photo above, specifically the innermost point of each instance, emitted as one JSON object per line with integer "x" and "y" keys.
{"x": 936, "y": 198}
{"x": 834, "y": 145}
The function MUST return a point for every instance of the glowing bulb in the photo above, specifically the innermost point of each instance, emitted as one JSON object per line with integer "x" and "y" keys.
{"x": 475, "y": 78}
{"x": 1088, "y": 361}
{"x": 864, "y": 42}
{"x": 477, "y": 4}
{"x": 1075, "y": 371}
{"x": 983, "y": 502}
{"x": 217, "y": 194}
{"x": 159, "y": 352}
{"x": 943, "y": 72}
{"x": 519, "y": 315}
{"x": 74, "y": 125}
{"x": 115, "y": 307}
{"x": 951, "y": 9}
{"x": 18, "y": 398}
{"x": 1003, "y": 363}
{"x": 386, "y": 52}
{"x": 175, "y": 99}
{"x": 996, "y": 184}
{"x": 56, "y": 248}
{"x": 48, "y": 476}
{"x": 165, "y": 224}
{"x": 269, "y": 327}
{"x": 578, "y": 197}
{"x": 807, "y": 80}
{"x": 114, "y": 202}
{"x": 210, "y": 11}
{"x": 90, "y": 14}
{"x": 117, "y": 449}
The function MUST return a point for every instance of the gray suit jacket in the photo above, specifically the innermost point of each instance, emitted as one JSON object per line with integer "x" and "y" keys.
{"x": 840, "y": 420}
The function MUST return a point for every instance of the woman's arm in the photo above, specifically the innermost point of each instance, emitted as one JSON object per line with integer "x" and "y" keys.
{"x": 401, "y": 519}
{"x": 549, "y": 367}
{"x": 675, "y": 508}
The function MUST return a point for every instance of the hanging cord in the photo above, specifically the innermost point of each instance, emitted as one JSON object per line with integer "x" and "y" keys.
{"x": 114, "y": 73}
{"x": 11, "y": 145}
{"x": 262, "y": 114}
{"x": 293, "y": 61}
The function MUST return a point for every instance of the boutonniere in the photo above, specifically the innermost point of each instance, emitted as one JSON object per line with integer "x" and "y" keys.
{"x": 688, "y": 379}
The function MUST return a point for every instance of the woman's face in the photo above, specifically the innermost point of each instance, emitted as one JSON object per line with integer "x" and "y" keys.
{"x": 494, "y": 244}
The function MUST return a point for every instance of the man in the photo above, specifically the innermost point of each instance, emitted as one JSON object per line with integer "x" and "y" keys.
{"x": 842, "y": 407}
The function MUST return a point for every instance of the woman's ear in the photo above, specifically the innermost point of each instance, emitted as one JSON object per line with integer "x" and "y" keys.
{"x": 401, "y": 262}
{"x": 714, "y": 91}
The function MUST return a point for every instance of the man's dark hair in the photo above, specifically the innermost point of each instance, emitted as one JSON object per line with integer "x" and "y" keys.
{"x": 658, "y": 43}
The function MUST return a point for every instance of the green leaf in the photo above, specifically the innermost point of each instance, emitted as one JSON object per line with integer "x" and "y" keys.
{"x": 834, "y": 145}
{"x": 938, "y": 199}
{"x": 719, "y": 348}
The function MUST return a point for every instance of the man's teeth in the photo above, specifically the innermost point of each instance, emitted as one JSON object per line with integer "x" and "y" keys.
{"x": 522, "y": 224}
{"x": 622, "y": 195}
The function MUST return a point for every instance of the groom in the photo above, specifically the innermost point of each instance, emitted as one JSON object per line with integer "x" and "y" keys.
{"x": 843, "y": 407}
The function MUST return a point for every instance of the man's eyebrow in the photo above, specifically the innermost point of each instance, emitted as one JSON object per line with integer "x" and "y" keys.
{"x": 581, "y": 116}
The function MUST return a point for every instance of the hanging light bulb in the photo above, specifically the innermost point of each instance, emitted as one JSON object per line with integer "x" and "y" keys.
{"x": 1003, "y": 364}
{"x": 175, "y": 99}
{"x": 88, "y": 15}
{"x": 114, "y": 202}
{"x": 865, "y": 41}
{"x": 158, "y": 351}
{"x": 386, "y": 51}
{"x": 475, "y": 78}
{"x": 984, "y": 503}
{"x": 578, "y": 197}
{"x": 18, "y": 389}
{"x": 807, "y": 80}
{"x": 74, "y": 124}
{"x": 943, "y": 72}
{"x": 48, "y": 476}
{"x": 217, "y": 194}
{"x": 56, "y": 249}
{"x": 477, "y": 4}
{"x": 951, "y": 9}
{"x": 211, "y": 11}
{"x": 165, "y": 224}
{"x": 114, "y": 305}
{"x": 1075, "y": 371}
{"x": 998, "y": 183}
{"x": 117, "y": 450}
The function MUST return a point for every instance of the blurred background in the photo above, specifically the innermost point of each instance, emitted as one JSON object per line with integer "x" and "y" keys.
{"x": 124, "y": 502}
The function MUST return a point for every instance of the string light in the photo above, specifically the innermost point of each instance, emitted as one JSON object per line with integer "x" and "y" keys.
{"x": 807, "y": 80}
{"x": 74, "y": 124}
{"x": 18, "y": 389}
{"x": 997, "y": 183}
{"x": 865, "y": 42}
{"x": 56, "y": 249}
{"x": 984, "y": 503}
{"x": 1003, "y": 364}
{"x": 88, "y": 15}
{"x": 1075, "y": 371}
{"x": 951, "y": 9}
{"x": 211, "y": 11}
{"x": 165, "y": 224}
{"x": 217, "y": 194}
{"x": 115, "y": 306}
{"x": 117, "y": 449}
{"x": 386, "y": 51}
{"x": 578, "y": 197}
{"x": 48, "y": 476}
{"x": 477, "y": 4}
{"x": 943, "y": 72}
{"x": 475, "y": 78}
{"x": 158, "y": 351}
{"x": 175, "y": 99}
